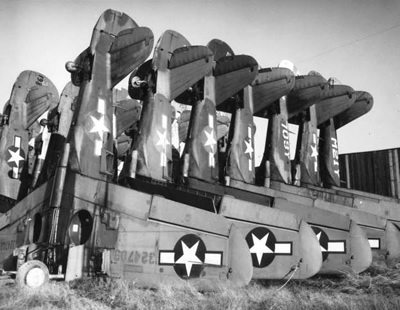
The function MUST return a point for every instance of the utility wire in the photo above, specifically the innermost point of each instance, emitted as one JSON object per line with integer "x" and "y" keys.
{"x": 350, "y": 43}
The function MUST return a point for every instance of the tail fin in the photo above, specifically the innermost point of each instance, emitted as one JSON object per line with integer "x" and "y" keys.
{"x": 230, "y": 75}
{"x": 329, "y": 155}
{"x": 116, "y": 41}
{"x": 275, "y": 164}
{"x": 307, "y": 149}
{"x": 32, "y": 95}
{"x": 240, "y": 160}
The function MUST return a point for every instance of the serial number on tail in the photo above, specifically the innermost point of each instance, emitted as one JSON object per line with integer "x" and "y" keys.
{"x": 134, "y": 257}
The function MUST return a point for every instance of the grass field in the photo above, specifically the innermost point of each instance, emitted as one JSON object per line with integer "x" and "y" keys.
{"x": 377, "y": 288}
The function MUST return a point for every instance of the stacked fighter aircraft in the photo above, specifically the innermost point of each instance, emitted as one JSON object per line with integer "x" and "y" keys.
{"x": 104, "y": 191}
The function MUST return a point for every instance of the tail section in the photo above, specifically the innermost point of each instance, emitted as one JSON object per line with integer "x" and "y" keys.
{"x": 116, "y": 41}
{"x": 174, "y": 68}
{"x": 230, "y": 75}
{"x": 32, "y": 95}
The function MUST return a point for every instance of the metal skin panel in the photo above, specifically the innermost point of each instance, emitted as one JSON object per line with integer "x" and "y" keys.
{"x": 127, "y": 113}
{"x": 240, "y": 151}
{"x": 307, "y": 156}
{"x": 277, "y": 240}
{"x": 390, "y": 210}
{"x": 31, "y": 96}
{"x": 329, "y": 155}
{"x": 153, "y": 144}
{"x": 170, "y": 212}
{"x": 65, "y": 108}
{"x": 363, "y": 104}
{"x": 270, "y": 85}
{"x": 277, "y": 147}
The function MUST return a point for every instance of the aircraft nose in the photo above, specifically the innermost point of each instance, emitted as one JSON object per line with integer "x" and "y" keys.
{"x": 360, "y": 249}
{"x": 311, "y": 258}
{"x": 393, "y": 244}
{"x": 240, "y": 263}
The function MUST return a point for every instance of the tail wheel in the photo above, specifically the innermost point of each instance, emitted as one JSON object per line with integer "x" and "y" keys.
{"x": 32, "y": 274}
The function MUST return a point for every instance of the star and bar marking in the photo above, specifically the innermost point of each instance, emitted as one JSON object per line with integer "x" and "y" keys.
{"x": 163, "y": 141}
{"x": 374, "y": 243}
{"x": 15, "y": 157}
{"x": 211, "y": 141}
{"x": 249, "y": 149}
{"x": 189, "y": 257}
{"x": 314, "y": 152}
{"x": 99, "y": 126}
{"x": 264, "y": 247}
{"x": 329, "y": 246}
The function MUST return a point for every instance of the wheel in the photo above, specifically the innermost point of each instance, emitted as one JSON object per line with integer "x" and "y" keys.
{"x": 32, "y": 274}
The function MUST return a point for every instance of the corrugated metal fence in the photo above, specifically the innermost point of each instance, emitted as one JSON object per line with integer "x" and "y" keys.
{"x": 375, "y": 172}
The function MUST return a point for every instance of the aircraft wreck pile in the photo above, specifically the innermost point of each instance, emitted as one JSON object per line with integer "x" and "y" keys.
{"x": 188, "y": 202}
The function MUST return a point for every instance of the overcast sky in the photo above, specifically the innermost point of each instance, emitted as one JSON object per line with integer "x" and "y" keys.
{"x": 356, "y": 41}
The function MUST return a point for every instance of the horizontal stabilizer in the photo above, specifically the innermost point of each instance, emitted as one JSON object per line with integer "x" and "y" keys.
{"x": 232, "y": 74}
{"x": 308, "y": 89}
{"x": 363, "y": 104}
{"x": 270, "y": 85}
{"x": 341, "y": 97}
{"x": 186, "y": 66}
{"x": 130, "y": 48}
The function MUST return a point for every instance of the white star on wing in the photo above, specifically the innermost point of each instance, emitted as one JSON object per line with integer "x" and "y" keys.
{"x": 15, "y": 157}
{"x": 162, "y": 139}
{"x": 189, "y": 257}
{"x": 99, "y": 126}
{"x": 259, "y": 247}
{"x": 249, "y": 150}
{"x": 314, "y": 151}
{"x": 210, "y": 139}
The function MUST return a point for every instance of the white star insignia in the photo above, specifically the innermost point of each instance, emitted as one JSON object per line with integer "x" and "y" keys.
{"x": 15, "y": 157}
{"x": 314, "y": 151}
{"x": 259, "y": 247}
{"x": 249, "y": 150}
{"x": 189, "y": 257}
{"x": 163, "y": 141}
{"x": 210, "y": 139}
{"x": 99, "y": 126}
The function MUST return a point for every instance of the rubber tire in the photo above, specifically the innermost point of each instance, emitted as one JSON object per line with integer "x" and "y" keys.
{"x": 26, "y": 268}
